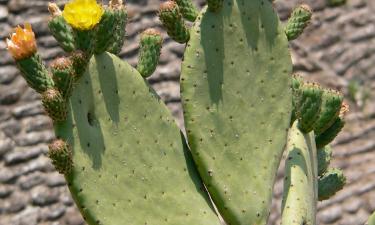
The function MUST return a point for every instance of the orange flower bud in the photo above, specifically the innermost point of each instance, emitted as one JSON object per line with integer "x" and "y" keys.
{"x": 22, "y": 42}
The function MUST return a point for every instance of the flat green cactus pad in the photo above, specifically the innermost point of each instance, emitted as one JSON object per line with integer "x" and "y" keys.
{"x": 235, "y": 88}
{"x": 131, "y": 165}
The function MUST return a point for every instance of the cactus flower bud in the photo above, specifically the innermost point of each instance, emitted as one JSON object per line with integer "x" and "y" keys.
{"x": 22, "y": 42}
{"x": 54, "y": 10}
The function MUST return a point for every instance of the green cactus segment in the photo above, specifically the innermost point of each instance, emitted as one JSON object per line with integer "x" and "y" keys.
{"x": 309, "y": 106}
{"x": 55, "y": 104}
{"x": 35, "y": 73}
{"x": 105, "y": 30}
{"x": 80, "y": 61}
{"x": 214, "y": 5}
{"x": 84, "y": 40}
{"x": 298, "y": 21}
{"x": 62, "y": 32}
{"x": 324, "y": 158}
{"x": 330, "y": 109}
{"x": 61, "y": 156}
{"x": 331, "y": 133}
{"x": 188, "y": 10}
{"x": 297, "y": 82}
{"x": 237, "y": 139}
{"x": 173, "y": 22}
{"x": 121, "y": 18}
{"x": 131, "y": 163}
{"x": 151, "y": 43}
{"x": 63, "y": 75}
{"x": 300, "y": 197}
{"x": 329, "y": 184}
{"x": 371, "y": 220}
{"x": 334, "y": 3}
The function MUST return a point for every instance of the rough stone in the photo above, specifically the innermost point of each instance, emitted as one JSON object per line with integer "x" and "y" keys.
{"x": 42, "y": 196}
{"x": 3, "y": 13}
{"x": 53, "y": 212}
{"x": 35, "y": 138}
{"x": 28, "y": 216}
{"x": 330, "y": 215}
{"x": 55, "y": 180}
{"x": 5, "y": 191}
{"x": 29, "y": 109}
{"x": 9, "y": 95}
{"x": 14, "y": 204}
{"x": 30, "y": 181}
{"x": 353, "y": 205}
{"x": 7, "y": 73}
{"x": 6, "y": 144}
{"x": 23, "y": 154}
{"x": 37, "y": 123}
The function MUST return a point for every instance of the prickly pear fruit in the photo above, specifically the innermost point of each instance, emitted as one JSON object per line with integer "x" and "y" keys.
{"x": 298, "y": 21}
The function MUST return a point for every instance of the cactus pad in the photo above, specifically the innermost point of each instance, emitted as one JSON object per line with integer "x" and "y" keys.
{"x": 236, "y": 94}
{"x": 131, "y": 165}
{"x": 300, "y": 181}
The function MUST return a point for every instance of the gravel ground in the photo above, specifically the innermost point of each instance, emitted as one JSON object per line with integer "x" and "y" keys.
{"x": 337, "y": 50}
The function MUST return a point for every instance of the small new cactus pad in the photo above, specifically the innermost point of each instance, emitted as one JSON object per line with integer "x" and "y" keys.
{"x": 171, "y": 17}
{"x": 105, "y": 31}
{"x": 151, "y": 42}
{"x": 63, "y": 75}
{"x": 188, "y": 10}
{"x": 121, "y": 18}
{"x": 59, "y": 29}
{"x": 55, "y": 104}
{"x": 237, "y": 100}
{"x": 131, "y": 165}
{"x": 61, "y": 156}
{"x": 331, "y": 133}
{"x": 330, "y": 110}
{"x": 330, "y": 183}
{"x": 309, "y": 106}
{"x": 324, "y": 158}
{"x": 35, "y": 73}
{"x": 110, "y": 32}
{"x": 300, "y": 197}
{"x": 298, "y": 21}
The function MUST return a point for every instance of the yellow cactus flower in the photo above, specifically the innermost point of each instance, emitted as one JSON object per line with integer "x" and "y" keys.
{"x": 22, "y": 42}
{"x": 83, "y": 14}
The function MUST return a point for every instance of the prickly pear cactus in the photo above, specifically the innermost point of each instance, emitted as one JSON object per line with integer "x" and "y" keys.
{"x": 124, "y": 158}
{"x": 130, "y": 162}
{"x": 237, "y": 103}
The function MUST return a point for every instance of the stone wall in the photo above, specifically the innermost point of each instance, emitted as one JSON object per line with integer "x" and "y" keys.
{"x": 337, "y": 48}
